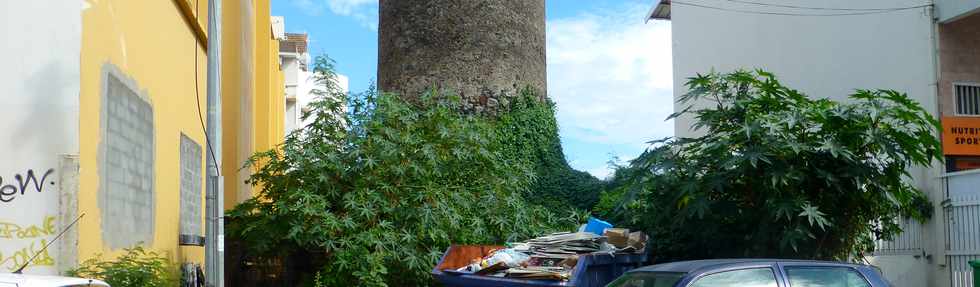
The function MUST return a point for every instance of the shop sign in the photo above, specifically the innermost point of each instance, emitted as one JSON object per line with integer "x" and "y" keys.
{"x": 961, "y": 135}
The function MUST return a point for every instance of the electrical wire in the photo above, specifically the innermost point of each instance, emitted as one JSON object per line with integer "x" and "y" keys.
{"x": 825, "y": 8}
{"x": 197, "y": 95}
{"x": 797, "y": 14}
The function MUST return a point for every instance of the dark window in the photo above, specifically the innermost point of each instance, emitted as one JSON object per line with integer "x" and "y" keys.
{"x": 126, "y": 167}
{"x": 647, "y": 279}
{"x": 961, "y": 163}
{"x": 825, "y": 277}
{"x": 190, "y": 186}
{"x": 756, "y": 277}
{"x": 967, "y": 99}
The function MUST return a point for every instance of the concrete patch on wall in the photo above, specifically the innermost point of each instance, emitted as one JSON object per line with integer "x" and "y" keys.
{"x": 67, "y": 213}
{"x": 126, "y": 162}
{"x": 190, "y": 187}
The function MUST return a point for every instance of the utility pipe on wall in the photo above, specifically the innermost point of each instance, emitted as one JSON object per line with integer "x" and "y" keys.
{"x": 214, "y": 228}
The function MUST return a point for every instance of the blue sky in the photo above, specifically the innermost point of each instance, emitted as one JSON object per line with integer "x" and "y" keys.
{"x": 608, "y": 71}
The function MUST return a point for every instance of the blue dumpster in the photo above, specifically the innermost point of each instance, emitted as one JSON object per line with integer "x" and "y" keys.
{"x": 592, "y": 270}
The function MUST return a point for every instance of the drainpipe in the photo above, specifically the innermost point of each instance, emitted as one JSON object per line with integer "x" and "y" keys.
{"x": 214, "y": 229}
{"x": 937, "y": 241}
{"x": 934, "y": 39}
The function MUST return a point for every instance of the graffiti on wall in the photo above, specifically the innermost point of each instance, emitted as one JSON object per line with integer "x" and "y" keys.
{"x": 35, "y": 234}
{"x": 29, "y": 181}
{"x": 22, "y": 240}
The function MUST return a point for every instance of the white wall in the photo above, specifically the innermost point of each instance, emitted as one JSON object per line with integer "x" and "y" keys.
{"x": 821, "y": 56}
{"x": 304, "y": 95}
{"x": 300, "y": 83}
{"x": 824, "y": 57}
{"x": 39, "y": 116}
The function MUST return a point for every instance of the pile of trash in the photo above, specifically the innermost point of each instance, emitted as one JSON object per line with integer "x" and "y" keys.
{"x": 554, "y": 256}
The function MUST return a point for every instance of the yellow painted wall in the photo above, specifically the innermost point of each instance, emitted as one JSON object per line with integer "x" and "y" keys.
{"x": 237, "y": 89}
{"x": 258, "y": 124}
{"x": 149, "y": 42}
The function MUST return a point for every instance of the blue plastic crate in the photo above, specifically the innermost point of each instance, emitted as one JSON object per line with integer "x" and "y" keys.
{"x": 592, "y": 270}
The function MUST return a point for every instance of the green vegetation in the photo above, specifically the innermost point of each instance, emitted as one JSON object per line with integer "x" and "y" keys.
{"x": 777, "y": 174}
{"x": 136, "y": 267}
{"x": 530, "y": 134}
{"x": 375, "y": 197}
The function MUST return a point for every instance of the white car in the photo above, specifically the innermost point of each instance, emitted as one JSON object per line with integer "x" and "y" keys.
{"x": 25, "y": 280}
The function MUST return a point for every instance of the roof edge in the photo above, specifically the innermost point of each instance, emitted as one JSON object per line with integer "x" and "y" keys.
{"x": 661, "y": 11}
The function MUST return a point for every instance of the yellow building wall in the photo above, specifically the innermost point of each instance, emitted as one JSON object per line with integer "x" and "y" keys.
{"x": 258, "y": 94}
{"x": 150, "y": 43}
{"x": 238, "y": 97}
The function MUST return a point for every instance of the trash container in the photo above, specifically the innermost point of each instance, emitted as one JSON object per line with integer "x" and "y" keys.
{"x": 592, "y": 270}
{"x": 976, "y": 272}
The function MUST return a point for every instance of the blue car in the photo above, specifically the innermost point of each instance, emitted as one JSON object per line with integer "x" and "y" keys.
{"x": 752, "y": 273}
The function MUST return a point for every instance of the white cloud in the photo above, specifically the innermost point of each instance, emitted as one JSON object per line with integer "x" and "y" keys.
{"x": 365, "y": 12}
{"x": 610, "y": 75}
{"x": 348, "y": 7}
{"x": 310, "y": 7}
{"x": 602, "y": 172}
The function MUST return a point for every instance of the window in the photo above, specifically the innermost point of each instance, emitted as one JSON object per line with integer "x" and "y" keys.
{"x": 647, "y": 279}
{"x": 190, "y": 187}
{"x": 825, "y": 277}
{"x": 967, "y": 99}
{"x": 757, "y": 277}
{"x": 126, "y": 164}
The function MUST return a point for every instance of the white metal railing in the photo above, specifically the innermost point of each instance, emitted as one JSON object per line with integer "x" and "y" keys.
{"x": 962, "y": 214}
{"x": 909, "y": 242}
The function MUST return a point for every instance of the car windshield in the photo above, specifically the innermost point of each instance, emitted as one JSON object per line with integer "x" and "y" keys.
{"x": 647, "y": 279}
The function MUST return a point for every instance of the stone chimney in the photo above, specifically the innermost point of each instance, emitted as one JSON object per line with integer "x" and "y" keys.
{"x": 484, "y": 50}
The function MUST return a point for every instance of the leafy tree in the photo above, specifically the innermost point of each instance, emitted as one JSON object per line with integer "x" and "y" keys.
{"x": 777, "y": 174}
{"x": 381, "y": 193}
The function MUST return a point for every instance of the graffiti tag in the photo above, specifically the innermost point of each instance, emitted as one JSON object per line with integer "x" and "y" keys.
{"x": 9, "y": 230}
{"x": 14, "y": 260}
{"x": 10, "y": 191}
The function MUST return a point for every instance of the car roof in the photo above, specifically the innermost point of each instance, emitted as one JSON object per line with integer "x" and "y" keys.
{"x": 45, "y": 280}
{"x": 694, "y": 265}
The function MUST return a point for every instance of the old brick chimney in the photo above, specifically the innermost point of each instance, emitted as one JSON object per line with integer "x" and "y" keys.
{"x": 484, "y": 50}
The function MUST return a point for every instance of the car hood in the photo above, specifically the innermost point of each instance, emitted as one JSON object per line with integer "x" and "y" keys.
{"x": 48, "y": 281}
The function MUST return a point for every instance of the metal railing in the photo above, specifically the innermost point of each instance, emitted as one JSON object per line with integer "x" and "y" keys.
{"x": 962, "y": 215}
{"x": 909, "y": 242}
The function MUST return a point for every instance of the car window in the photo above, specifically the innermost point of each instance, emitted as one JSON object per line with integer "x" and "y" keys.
{"x": 825, "y": 277}
{"x": 647, "y": 279}
{"x": 756, "y": 277}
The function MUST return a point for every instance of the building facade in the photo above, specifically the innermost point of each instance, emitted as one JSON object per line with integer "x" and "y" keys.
{"x": 299, "y": 80}
{"x": 829, "y": 49}
{"x": 253, "y": 98}
{"x": 109, "y": 99}
{"x": 958, "y": 49}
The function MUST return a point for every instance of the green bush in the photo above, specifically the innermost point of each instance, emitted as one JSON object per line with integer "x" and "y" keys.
{"x": 383, "y": 191}
{"x": 611, "y": 200}
{"x": 777, "y": 174}
{"x": 136, "y": 267}
{"x": 530, "y": 135}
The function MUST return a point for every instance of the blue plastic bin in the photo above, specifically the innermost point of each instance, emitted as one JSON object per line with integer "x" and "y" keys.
{"x": 593, "y": 270}
{"x": 597, "y": 226}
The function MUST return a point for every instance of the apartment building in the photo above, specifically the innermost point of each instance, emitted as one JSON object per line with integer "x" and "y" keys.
{"x": 105, "y": 103}
{"x": 827, "y": 49}
{"x": 299, "y": 79}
